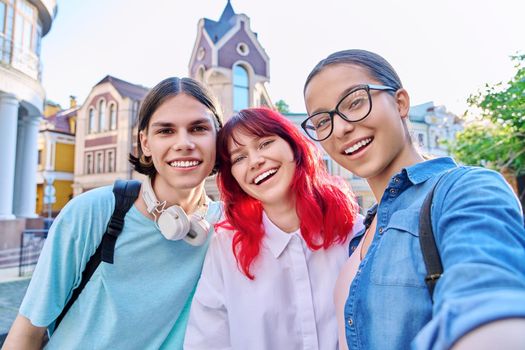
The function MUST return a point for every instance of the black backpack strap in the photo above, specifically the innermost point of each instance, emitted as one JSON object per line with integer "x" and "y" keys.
{"x": 428, "y": 243}
{"x": 125, "y": 192}
{"x": 427, "y": 239}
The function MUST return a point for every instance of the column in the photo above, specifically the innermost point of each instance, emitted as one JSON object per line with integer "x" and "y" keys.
{"x": 24, "y": 203}
{"x": 8, "y": 132}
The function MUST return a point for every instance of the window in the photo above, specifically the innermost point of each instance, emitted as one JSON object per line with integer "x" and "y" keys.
{"x": 328, "y": 164}
{"x": 39, "y": 162}
{"x": 200, "y": 53}
{"x": 243, "y": 49}
{"x": 26, "y": 21}
{"x": 110, "y": 157}
{"x": 112, "y": 117}
{"x": 2, "y": 17}
{"x": 91, "y": 121}
{"x": 6, "y": 30}
{"x": 420, "y": 140}
{"x": 99, "y": 163}
{"x": 89, "y": 163}
{"x": 241, "y": 88}
{"x": 102, "y": 116}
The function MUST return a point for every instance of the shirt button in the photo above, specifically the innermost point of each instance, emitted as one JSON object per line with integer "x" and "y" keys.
{"x": 393, "y": 191}
{"x": 396, "y": 180}
{"x": 380, "y": 230}
{"x": 352, "y": 248}
{"x": 350, "y": 322}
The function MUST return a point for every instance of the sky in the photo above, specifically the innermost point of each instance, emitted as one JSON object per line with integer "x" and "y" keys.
{"x": 443, "y": 50}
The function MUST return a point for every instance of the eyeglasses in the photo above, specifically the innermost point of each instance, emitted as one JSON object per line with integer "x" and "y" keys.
{"x": 353, "y": 107}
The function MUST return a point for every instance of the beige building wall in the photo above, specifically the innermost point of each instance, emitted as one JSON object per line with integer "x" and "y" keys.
{"x": 118, "y": 142}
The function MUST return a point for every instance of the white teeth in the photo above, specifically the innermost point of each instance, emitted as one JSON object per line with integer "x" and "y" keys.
{"x": 264, "y": 175}
{"x": 184, "y": 163}
{"x": 358, "y": 145}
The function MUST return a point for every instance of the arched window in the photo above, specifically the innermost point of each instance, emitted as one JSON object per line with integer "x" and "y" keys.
{"x": 102, "y": 115}
{"x": 112, "y": 117}
{"x": 91, "y": 121}
{"x": 241, "y": 88}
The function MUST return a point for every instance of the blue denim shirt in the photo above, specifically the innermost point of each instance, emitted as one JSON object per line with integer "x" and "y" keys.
{"x": 478, "y": 226}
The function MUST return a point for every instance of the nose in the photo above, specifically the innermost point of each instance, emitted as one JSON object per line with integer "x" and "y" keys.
{"x": 183, "y": 142}
{"x": 341, "y": 126}
{"x": 256, "y": 160}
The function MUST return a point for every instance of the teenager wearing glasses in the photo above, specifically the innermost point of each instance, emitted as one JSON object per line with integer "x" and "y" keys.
{"x": 358, "y": 112}
{"x": 270, "y": 271}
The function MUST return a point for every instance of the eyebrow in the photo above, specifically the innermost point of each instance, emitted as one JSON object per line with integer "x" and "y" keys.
{"x": 162, "y": 124}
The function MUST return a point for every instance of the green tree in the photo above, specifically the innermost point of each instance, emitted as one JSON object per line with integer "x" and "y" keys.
{"x": 282, "y": 106}
{"x": 496, "y": 138}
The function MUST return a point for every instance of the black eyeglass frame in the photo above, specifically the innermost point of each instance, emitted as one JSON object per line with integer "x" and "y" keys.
{"x": 332, "y": 113}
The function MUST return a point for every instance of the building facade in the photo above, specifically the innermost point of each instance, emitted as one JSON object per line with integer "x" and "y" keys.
{"x": 228, "y": 57}
{"x": 106, "y": 133}
{"x": 23, "y": 24}
{"x": 56, "y": 158}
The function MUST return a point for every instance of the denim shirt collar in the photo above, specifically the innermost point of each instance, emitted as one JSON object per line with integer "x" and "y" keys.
{"x": 421, "y": 172}
{"x": 416, "y": 174}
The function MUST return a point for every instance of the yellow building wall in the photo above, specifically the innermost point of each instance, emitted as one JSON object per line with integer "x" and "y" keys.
{"x": 39, "y": 198}
{"x": 64, "y": 192}
{"x": 64, "y": 157}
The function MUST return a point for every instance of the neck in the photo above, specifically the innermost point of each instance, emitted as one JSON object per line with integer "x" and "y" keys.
{"x": 283, "y": 215}
{"x": 188, "y": 199}
{"x": 407, "y": 157}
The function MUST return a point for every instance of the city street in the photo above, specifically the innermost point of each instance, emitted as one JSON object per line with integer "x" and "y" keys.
{"x": 12, "y": 291}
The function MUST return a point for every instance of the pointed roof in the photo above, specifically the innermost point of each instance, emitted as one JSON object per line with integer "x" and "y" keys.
{"x": 124, "y": 88}
{"x": 227, "y": 13}
{"x": 60, "y": 120}
{"x": 216, "y": 30}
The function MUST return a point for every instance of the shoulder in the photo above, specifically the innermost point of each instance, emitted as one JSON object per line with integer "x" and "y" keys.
{"x": 222, "y": 236}
{"x": 97, "y": 199}
{"x": 85, "y": 211}
{"x": 215, "y": 212}
{"x": 221, "y": 243}
{"x": 477, "y": 182}
{"x": 472, "y": 195}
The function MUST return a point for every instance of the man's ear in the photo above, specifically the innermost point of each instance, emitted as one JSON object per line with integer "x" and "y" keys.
{"x": 144, "y": 143}
{"x": 403, "y": 102}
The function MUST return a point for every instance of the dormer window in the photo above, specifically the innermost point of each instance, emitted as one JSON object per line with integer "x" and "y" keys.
{"x": 243, "y": 49}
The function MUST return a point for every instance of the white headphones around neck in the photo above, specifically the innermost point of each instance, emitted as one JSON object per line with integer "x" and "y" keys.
{"x": 173, "y": 222}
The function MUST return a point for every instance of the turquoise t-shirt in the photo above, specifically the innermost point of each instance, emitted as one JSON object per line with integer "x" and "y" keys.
{"x": 139, "y": 302}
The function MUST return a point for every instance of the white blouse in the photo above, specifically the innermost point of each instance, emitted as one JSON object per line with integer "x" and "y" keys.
{"x": 289, "y": 305}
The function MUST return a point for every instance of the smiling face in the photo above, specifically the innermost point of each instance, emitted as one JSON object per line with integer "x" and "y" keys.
{"x": 369, "y": 148}
{"x": 263, "y": 167}
{"x": 180, "y": 139}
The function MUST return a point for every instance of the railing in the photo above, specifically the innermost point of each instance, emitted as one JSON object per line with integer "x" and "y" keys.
{"x": 31, "y": 243}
